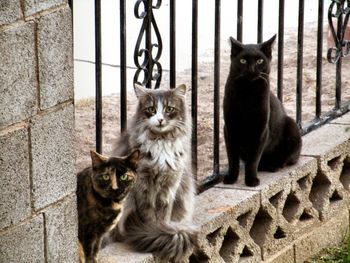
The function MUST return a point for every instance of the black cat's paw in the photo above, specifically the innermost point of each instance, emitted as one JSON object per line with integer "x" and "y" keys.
{"x": 229, "y": 179}
{"x": 252, "y": 181}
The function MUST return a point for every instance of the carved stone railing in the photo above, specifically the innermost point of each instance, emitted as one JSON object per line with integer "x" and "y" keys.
{"x": 290, "y": 217}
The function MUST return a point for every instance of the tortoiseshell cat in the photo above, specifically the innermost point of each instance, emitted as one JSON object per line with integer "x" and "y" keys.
{"x": 101, "y": 190}
{"x": 158, "y": 214}
{"x": 257, "y": 129}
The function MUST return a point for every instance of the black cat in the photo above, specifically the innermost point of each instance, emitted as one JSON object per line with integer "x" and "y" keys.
{"x": 257, "y": 129}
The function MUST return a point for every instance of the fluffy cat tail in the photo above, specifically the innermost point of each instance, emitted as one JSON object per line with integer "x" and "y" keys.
{"x": 170, "y": 242}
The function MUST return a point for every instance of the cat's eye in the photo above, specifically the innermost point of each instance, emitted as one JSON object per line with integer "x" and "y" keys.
{"x": 124, "y": 177}
{"x": 243, "y": 61}
{"x": 169, "y": 109}
{"x": 105, "y": 177}
{"x": 259, "y": 61}
{"x": 151, "y": 110}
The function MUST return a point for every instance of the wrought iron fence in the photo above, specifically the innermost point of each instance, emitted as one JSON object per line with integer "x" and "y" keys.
{"x": 151, "y": 69}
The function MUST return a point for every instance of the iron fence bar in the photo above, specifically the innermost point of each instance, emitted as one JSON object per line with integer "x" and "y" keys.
{"x": 172, "y": 43}
{"x": 319, "y": 59}
{"x": 150, "y": 63}
{"x": 217, "y": 87}
{"x": 300, "y": 62}
{"x": 280, "y": 58}
{"x": 98, "y": 76}
{"x": 240, "y": 20}
{"x": 70, "y": 3}
{"x": 260, "y": 20}
{"x": 138, "y": 51}
{"x": 156, "y": 66}
{"x": 123, "y": 72}
{"x": 194, "y": 85}
{"x": 149, "y": 42}
{"x": 339, "y": 62}
{"x": 341, "y": 46}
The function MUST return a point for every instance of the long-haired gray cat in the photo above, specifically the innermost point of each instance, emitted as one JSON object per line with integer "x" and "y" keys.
{"x": 158, "y": 211}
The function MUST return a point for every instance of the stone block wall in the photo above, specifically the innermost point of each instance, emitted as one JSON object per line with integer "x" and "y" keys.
{"x": 38, "y": 221}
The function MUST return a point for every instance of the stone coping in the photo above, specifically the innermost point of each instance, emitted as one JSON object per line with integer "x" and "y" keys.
{"x": 289, "y": 217}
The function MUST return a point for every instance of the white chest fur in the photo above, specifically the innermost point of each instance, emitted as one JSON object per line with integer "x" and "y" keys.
{"x": 165, "y": 154}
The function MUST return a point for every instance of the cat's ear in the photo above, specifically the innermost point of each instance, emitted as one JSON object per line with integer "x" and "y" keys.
{"x": 236, "y": 47}
{"x": 97, "y": 159}
{"x": 180, "y": 90}
{"x": 133, "y": 159}
{"x": 266, "y": 47}
{"x": 140, "y": 91}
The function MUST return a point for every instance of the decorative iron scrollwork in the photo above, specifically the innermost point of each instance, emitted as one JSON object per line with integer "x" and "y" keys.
{"x": 338, "y": 9}
{"x": 147, "y": 59}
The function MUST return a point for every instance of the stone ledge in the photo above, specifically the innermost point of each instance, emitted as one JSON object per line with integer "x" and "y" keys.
{"x": 281, "y": 220}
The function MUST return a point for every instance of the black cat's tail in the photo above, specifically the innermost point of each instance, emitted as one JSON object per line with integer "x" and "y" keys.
{"x": 170, "y": 242}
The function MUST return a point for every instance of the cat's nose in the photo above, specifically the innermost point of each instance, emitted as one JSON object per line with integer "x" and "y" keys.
{"x": 114, "y": 184}
{"x": 160, "y": 121}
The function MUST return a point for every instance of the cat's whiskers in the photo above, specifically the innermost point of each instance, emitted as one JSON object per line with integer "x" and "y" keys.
{"x": 264, "y": 76}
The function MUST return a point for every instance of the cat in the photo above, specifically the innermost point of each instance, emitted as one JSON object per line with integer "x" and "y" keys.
{"x": 158, "y": 214}
{"x": 101, "y": 191}
{"x": 257, "y": 129}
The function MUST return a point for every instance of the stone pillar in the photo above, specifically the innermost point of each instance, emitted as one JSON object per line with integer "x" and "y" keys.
{"x": 38, "y": 218}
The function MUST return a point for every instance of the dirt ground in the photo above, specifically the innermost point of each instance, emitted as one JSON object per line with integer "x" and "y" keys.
{"x": 85, "y": 112}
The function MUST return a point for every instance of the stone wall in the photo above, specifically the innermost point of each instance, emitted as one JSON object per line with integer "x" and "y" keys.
{"x": 292, "y": 215}
{"x": 38, "y": 221}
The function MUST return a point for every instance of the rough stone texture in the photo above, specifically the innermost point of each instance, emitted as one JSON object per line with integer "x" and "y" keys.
{"x": 53, "y": 156}
{"x": 329, "y": 234}
{"x": 345, "y": 119}
{"x": 327, "y": 140}
{"x": 285, "y": 255}
{"x": 14, "y": 176}
{"x": 10, "y": 11}
{"x": 118, "y": 252}
{"x": 55, "y": 52}
{"x": 23, "y": 243}
{"x": 61, "y": 231}
{"x": 33, "y": 6}
{"x": 18, "y": 78}
{"x": 285, "y": 208}
{"x": 38, "y": 217}
{"x": 331, "y": 146}
{"x": 226, "y": 224}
